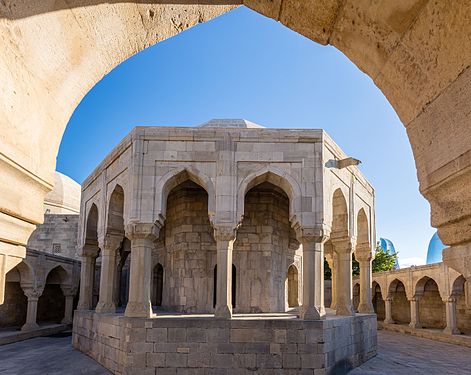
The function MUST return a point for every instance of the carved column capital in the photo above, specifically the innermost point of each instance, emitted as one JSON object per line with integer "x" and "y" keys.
{"x": 142, "y": 231}
{"x": 33, "y": 293}
{"x": 89, "y": 250}
{"x": 225, "y": 232}
{"x": 344, "y": 244}
{"x": 317, "y": 233}
{"x": 111, "y": 242}
{"x": 69, "y": 291}
{"x": 363, "y": 253}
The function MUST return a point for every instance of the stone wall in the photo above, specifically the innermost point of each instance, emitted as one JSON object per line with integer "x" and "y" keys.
{"x": 431, "y": 307}
{"x": 57, "y": 235}
{"x": 400, "y": 305}
{"x": 208, "y": 346}
{"x": 13, "y": 310}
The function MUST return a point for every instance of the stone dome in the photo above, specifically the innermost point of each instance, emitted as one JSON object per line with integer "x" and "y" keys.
{"x": 231, "y": 123}
{"x": 64, "y": 198}
{"x": 435, "y": 248}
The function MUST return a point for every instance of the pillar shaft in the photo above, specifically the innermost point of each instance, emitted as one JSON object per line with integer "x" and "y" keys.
{"x": 388, "y": 313}
{"x": 225, "y": 237}
{"x": 139, "y": 304}
{"x": 450, "y": 309}
{"x": 334, "y": 268}
{"x": 344, "y": 278}
{"x": 87, "y": 278}
{"x": 313, "y": 278}
{"x": 32, "y": 309}
{"x": 366, "y": 305}
{"x": 107, "y": 302}
{"x": 415, "y": 313}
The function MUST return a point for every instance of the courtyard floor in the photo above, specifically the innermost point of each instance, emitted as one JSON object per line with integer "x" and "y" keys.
{"x": 398, "y": 354}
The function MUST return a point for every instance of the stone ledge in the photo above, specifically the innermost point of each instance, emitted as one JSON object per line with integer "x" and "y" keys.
{"x": 431, "y": 334}
{"x": 8, "y": 337}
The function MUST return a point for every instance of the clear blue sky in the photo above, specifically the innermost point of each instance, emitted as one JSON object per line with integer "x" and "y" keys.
{"x": 242, "y": 65}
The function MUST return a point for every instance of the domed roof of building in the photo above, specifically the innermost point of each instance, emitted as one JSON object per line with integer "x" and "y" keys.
{"x": 435, "y": 248}
{"x": 230, "y": 123}
{"x": 388, "y": 246}
{"x": 64, "y": 198}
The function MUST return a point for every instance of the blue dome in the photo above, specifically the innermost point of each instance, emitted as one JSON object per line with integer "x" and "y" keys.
{"x": 435, "y": 248}
{"x": 388, "y": 247}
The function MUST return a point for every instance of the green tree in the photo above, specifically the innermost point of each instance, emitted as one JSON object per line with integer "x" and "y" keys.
{"x": 383, "y": 261}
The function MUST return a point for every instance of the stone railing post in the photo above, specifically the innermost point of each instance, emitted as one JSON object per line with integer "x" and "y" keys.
{"x": 69, "y": 294}
{"x": 364, "y": 256}
{"x": 33, "y": 295}
{"x": 142, "y": 236}
{"x": 450, "y": 309}
{"x": 87, "y": 276}
{"x": 312, "y": 240}
{"x": 344, "y": 249}
{"x": 388, "y": 310}
{"x": 225, "y": 237}
{"x": 415, "y": 312}
{"x": 109, "y": 251}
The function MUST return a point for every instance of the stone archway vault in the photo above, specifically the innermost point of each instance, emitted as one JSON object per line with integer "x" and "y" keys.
{"x": 418, "y": 53}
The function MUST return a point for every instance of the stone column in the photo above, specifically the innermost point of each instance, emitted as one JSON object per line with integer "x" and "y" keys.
{"x": 142, "y": 236}
{"x": 312, "y": 240}
{"x": 388, "y": 313}
{"x": 69, "y": 294}
{"x": 343, "y": 248}
{"x": 110, "y": 246}
{"x": 33, "y": 295}
{"x": 364, "y": 257}
{"x": 225, "y": 237}
{"x": 450, "y": 309}
{"x": 87, "y": 276}
{"x": 414, "y": 312}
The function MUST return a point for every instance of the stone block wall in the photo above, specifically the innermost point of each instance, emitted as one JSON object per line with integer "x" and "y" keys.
{"x": 13, "y": 310}
{"x": 184, "y": 345}
{"x": 431, "y": 307}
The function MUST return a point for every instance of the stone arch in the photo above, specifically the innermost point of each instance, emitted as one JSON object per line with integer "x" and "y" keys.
{"x": 292, "y": 286}
{"x": 431, "y": 305}
{"x": 400, "y": 306}
{"x": 115, "y": 212}
{"x": 13, "y": 310}
{"x": 463, "y": 315}
{"x": 276, "y": 176}
{"x": 378, "y": 300}
{"x": 418, "y": 287}
{"x": 91, "y": 226}
{"x": 457, "y": 286}
{"x": 51, "y": 304}
{"x": 340, "y": 224}
{"x": 177, "y": 176}
{"x": 362, "y": 228}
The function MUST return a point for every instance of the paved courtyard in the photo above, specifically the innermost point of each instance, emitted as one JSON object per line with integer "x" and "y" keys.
{"x": 399, "y": 354}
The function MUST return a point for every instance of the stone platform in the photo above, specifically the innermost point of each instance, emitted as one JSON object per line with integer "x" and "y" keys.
{"x": 247, "y": 344}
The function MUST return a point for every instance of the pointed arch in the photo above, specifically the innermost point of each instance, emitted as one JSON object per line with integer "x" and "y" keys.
{"x": 277, "y": 177}
{"x": 175, "y": 177}
{"x": 58, "y": 275}
{"x": 91, "y": 225}
{"x": 362, "y": 228}
{"x": 115, "y": 212}
{"x": 340, "y": 224}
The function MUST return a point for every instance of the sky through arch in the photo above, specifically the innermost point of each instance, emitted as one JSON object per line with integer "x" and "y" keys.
{"x": 243, "y": 65}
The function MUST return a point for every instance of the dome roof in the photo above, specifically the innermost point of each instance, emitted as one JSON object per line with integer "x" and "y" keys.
{"x": 64, "y": 198}
{"x": 388, "y": 246}
{"x": 230, "y": 123}
{"x": 435, "y": 248}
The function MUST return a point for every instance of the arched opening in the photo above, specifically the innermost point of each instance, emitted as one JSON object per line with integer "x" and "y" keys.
{"x": 115, "y": 223}
{"x": 463, "y": 314}
{"x": 188, "y": 248}
{"x": 265, "y": 246}
{"x": 14, "y": 308}
{"x": 123, "y": 273}
{"x": 431, "y": 307}
{"x": 51, "y": 304}
{"x": 91, "y": 246}
{"x": 158, "y": 285}
{"x": 234, "y": 286}
{"x": 356, "y": 296}
{"x": 378, "y": 301}
{"x": 400, "y": 306}
{"x": 339, "y": 215}
{"x": 292, "y": 281}
{"x": 363, "y": 232}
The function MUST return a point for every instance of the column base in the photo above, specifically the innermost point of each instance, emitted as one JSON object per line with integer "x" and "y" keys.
{"x": 389, "y": 321}
{"x": 84, "y": 306}
{"x": 103, "y": 307}
{"x": 415, "y": 325}
{"x": 366, "y": 308}
{"x": 29, "y": 327}
{"x": 138, "y": 310}
{"x": 312, "y": 313}
{"x": 452, "y": 331}
{"x": 66, "y": 321}
{"x": 223, "y": 312}
{"x": 345, "y": 310}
